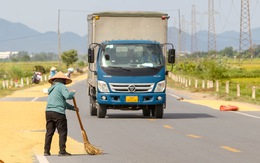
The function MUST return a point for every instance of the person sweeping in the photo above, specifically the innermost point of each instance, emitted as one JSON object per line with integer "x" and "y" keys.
{"x": 55, "y": 112}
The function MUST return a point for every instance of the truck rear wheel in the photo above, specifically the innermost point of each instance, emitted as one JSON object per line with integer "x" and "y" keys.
{"x": 101, "y": 111}
{"x": 159, "y": 111}
{"x": 92, "y": 107}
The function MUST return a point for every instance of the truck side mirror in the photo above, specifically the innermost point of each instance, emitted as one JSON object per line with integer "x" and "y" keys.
{"x": 90, "y": 55}
{"x": 171, "y": 56}
{"x": 107, "y": 57}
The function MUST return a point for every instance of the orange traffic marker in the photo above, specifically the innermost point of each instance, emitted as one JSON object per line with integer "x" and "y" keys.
{"x": 228, "y": 108}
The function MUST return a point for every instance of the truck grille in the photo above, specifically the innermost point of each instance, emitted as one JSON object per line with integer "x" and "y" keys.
{"x": 131, "y": 87}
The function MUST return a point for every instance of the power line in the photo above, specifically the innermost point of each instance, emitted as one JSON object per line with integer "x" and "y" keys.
{"x": 255, "y": 9}
{"x": 227, "y": 18}
{"x": 21, "y": 38}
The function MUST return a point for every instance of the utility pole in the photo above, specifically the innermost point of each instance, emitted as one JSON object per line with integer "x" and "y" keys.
{"x": 211, "y": 27}
{"x": 59, "y": 50}
{"x": 245, "y": 29}
{"x": 183, "y": 43}
{"x": 193, "y": 31}
{"x": 179, "y": 35}
{"x": 175, "y": 32}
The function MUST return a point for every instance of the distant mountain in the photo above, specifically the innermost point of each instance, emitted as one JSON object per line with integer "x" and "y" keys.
{"x": 223, "y": 40}
{"x": 19, "y": 37}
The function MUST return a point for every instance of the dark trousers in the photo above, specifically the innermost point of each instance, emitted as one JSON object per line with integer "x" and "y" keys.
{"x": 56, "y": 120}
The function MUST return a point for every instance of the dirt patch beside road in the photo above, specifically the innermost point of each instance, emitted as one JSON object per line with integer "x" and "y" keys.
{"x": 213, "y": 101}
{"x": 23, "y": 131}
{"x": 23, "y": 127}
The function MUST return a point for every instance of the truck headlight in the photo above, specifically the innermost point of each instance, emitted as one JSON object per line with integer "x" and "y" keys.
{"x": 102, "y": 86}
{"x": 160, "y": 87}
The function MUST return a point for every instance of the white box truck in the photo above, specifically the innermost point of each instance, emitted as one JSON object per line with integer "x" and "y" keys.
{"x": 127, "y": 62}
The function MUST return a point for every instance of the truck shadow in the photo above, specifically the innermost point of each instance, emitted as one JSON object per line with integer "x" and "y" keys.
{"x": 125, "y": 116}
{"x": 166, "y": 116}
{"x": 186, "y": 115}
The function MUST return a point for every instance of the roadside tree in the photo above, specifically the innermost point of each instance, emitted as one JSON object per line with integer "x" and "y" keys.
{"x": 69, "y": 57}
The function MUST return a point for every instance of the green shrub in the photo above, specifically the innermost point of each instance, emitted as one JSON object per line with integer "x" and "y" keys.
{"x": 81, "y": 64}
{"x": 15, "y": 72}
{"x": 39, "y": 68}
{"x": 204, "y": 69}
{"x": 3, "y": 74}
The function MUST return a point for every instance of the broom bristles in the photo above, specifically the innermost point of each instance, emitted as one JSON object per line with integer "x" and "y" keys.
{"x": 90, "y": 149}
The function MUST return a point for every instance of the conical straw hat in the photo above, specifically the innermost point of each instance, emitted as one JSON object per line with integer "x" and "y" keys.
{"x": 60, "y": 75}
{"x": 53, "y": 68}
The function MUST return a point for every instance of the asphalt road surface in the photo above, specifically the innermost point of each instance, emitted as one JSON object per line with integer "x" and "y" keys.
{"x": 187, "y": 133}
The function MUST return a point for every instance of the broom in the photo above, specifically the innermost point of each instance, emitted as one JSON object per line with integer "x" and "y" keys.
{"x": 90, "y": 149}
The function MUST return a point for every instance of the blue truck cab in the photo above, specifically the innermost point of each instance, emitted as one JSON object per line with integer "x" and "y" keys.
{"x": 129, "y": 75}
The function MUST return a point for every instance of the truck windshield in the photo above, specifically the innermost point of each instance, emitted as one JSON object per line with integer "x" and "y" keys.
{"x": 131, "y": 56}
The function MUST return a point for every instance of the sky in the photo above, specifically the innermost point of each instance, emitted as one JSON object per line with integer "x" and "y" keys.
{"x": 42, "y": 16}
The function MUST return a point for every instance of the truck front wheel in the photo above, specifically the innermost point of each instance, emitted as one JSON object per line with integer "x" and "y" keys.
{"x": 92, "y": 107}
{"x": 101, "y": 111}
{"x": 159, "y": 111}
{"x": 146, "y": 112}
{"x": 152, "y": 110}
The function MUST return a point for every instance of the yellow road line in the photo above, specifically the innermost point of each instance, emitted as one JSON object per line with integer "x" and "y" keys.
{"x": 230, "y": 149}
{"x": 194, "y": 136}
{"x": 167, "y": 126}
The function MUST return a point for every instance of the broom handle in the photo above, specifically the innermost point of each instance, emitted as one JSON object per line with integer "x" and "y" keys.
{"x": 77, "y": 112}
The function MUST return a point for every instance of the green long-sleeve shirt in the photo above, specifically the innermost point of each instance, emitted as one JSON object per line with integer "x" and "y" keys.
{"x": 57, "y": 96}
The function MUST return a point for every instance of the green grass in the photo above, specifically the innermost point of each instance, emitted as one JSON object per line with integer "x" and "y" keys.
{"x": 246, "y": 73}
{"x": 245, "y": 90}
{"x": 13, "y": 70}
{"x": 249, "y": 64}
{"x": 28, "y": 66}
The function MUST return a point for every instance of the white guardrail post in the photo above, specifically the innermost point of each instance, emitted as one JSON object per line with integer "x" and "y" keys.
{"x": 209, "y": 84}
{"x": 253, "y": 92}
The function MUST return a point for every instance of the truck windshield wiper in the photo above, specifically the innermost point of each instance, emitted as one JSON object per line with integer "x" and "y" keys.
{"x": 119, "y": 68}
{"x": 154, "y": 68}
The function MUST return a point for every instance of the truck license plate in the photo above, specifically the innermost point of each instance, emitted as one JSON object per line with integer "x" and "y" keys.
{"x": 131, "y": 99}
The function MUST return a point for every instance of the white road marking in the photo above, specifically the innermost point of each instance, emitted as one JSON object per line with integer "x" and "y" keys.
{"x": 173, "y": 95}
{"x": 252, "y": 116}
{"x": 34, "y": 99}
{"x": 41, "y": 159}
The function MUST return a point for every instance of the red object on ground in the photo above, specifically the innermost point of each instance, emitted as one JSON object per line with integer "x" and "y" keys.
{"x": 228, "y": 108}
